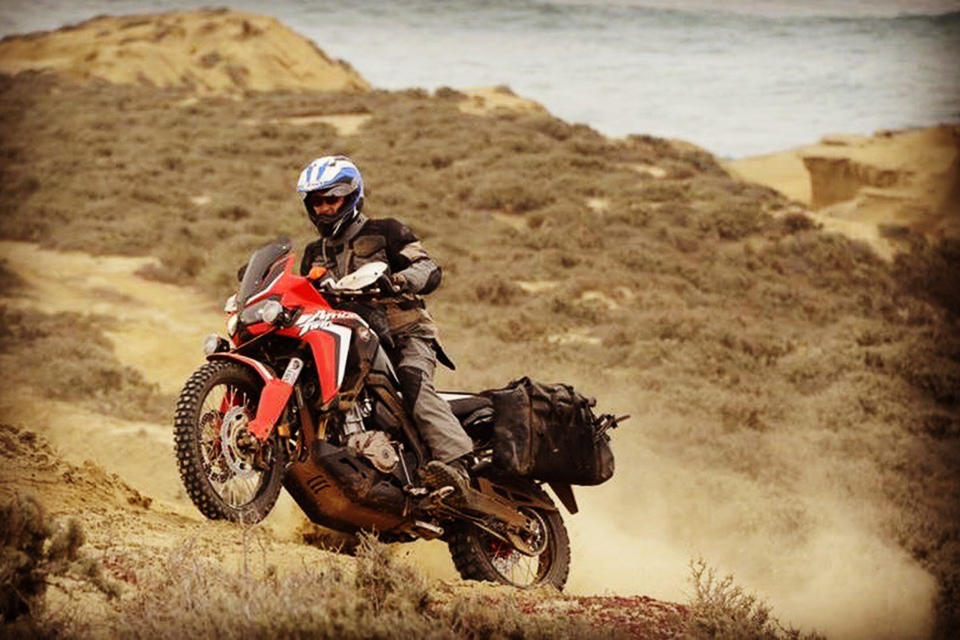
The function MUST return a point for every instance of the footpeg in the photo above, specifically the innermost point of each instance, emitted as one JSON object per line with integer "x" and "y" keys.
{"x": 435, "y": 498}
{"x": 426, "y": 530}
{"x": 441, "y": 493}
{"x": 447, "y": 476}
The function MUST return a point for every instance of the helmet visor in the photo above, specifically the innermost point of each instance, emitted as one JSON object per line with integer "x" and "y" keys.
{"x": 316, "y": 199}
{"x": 339, "y": 189}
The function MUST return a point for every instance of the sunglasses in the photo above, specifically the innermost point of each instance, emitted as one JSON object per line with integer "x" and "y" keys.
{"x": 315, "y": 199}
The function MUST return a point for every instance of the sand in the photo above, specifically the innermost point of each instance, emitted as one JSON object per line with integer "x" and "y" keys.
{"x": 211, "y": 51}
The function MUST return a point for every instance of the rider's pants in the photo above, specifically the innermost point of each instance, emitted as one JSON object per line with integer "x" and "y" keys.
{"x": 437, "y": 425}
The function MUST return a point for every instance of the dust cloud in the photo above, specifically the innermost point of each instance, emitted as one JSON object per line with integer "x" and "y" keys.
{"x": 819, "y": 560}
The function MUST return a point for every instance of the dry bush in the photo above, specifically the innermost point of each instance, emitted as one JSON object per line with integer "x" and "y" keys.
{"x": 498, "y": 292}
{"x": 38, "y": 552}
{"x": 10, "y": 282}
{"x": 795, "y": 222}
{"x": 721, "y": 610}
{"x": 692, "y": 159}
{"x": 933, "y": 271}
{"x": 378, "y": 597}
{"x": 736, "y": 219}
{"x": 511, "y": 192}
{"x": 135, "y": 192}
{"x": 671, "y": 191}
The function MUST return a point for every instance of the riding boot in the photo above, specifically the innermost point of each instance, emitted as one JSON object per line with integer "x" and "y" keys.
{"x": 454, "y": 474}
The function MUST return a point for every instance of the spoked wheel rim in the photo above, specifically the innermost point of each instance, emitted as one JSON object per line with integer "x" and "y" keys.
{"x": 517, "y": 568}
{"x": 226, "y": 457}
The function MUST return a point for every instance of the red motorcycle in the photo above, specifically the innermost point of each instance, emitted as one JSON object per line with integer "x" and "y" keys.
{"x": 304, "y": 395}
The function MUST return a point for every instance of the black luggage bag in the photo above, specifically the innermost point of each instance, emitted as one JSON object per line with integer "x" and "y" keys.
{"x": 549, "y": 433}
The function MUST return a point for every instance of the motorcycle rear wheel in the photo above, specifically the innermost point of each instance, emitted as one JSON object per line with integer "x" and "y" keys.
{"x": 218, "y": 473}
{"x": 478, "y": 555}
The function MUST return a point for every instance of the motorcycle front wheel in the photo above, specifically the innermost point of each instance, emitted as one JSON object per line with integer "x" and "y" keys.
{"x": 224, "y": 471}
{"x": 479, "y": 555}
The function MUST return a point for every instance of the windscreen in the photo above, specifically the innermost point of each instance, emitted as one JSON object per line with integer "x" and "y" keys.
{"x": 260, "y": 271}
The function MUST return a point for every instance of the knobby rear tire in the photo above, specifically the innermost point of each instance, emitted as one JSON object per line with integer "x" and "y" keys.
{"x": 474, "y": 550}
{"x": 187, "y": 436}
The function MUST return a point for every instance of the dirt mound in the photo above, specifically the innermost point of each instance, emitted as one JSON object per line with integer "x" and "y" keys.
{"x": 211, "y": 51}
{"x": 32, "y": 465}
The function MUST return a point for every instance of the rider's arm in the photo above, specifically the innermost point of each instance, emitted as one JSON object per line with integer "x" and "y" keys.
{"x": 410, "y": 260}
{"x": 423, "y": 276}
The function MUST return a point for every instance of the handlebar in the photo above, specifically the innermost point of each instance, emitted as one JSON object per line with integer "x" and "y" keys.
{"x": 605, "y": 422}
{"x": 384, "y": 286}
{"x": 371, "y": 293}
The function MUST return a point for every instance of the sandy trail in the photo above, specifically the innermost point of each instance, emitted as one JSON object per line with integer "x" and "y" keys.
{"x": 159, "y": 327}
{"x": 118, "y": 477}
{"x": 158, "y": 330}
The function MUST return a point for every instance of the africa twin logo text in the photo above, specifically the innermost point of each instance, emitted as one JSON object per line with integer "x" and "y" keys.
{"x": 321, "y": 319}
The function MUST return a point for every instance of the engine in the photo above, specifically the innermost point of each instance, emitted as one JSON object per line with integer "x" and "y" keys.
{"x": 376, "y": 447}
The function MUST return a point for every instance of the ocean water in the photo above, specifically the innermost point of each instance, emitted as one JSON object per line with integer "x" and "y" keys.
{"x": 739, "y": 77}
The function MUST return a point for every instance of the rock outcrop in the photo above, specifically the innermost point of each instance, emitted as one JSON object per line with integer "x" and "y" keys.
{"x": 897, "y": 181}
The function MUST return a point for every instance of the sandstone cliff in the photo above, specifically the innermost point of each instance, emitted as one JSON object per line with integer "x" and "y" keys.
{"x": 211, "y": 51}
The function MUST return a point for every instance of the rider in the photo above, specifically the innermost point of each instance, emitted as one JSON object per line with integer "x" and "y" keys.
{"x": 332, "y": 192}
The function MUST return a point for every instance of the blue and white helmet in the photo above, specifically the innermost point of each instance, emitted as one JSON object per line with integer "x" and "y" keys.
{"x": 332, "y": 176}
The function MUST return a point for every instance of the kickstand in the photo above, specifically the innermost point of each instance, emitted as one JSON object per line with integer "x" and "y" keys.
{"x": 403, "y": 464}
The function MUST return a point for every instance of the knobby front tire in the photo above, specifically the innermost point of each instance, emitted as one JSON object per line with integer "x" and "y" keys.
{"x": 219, "y": 478}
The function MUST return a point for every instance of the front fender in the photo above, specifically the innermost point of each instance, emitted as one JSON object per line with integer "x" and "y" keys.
{"x": 261, "y": 369}
{"x": 273, "y": 397}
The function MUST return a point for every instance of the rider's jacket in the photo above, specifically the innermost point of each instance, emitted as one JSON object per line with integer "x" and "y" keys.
{"x": 390, "y": 241}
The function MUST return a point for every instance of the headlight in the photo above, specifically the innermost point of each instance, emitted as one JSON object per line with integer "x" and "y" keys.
{"x": 270, "y": 310}
{"x": 266, "y": 311}
{"x": 231, "y": 304}
{"x": 232, "y": 325}
{"x": 215, "y": 344}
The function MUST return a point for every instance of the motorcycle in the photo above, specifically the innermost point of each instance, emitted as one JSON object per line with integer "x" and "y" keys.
{"x": 304, "y": 395}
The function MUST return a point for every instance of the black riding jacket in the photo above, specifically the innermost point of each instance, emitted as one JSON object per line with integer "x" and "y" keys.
{"x": 390, "y": 241}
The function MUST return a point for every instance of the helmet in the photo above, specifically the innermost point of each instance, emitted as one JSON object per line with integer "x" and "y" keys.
{"x": 332, "y": 176}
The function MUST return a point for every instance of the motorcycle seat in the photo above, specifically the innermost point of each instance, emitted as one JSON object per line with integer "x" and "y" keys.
{"x": 465, "y": 407}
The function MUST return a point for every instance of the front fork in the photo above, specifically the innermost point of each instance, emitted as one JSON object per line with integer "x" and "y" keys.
{"x": 274, "y": 397}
